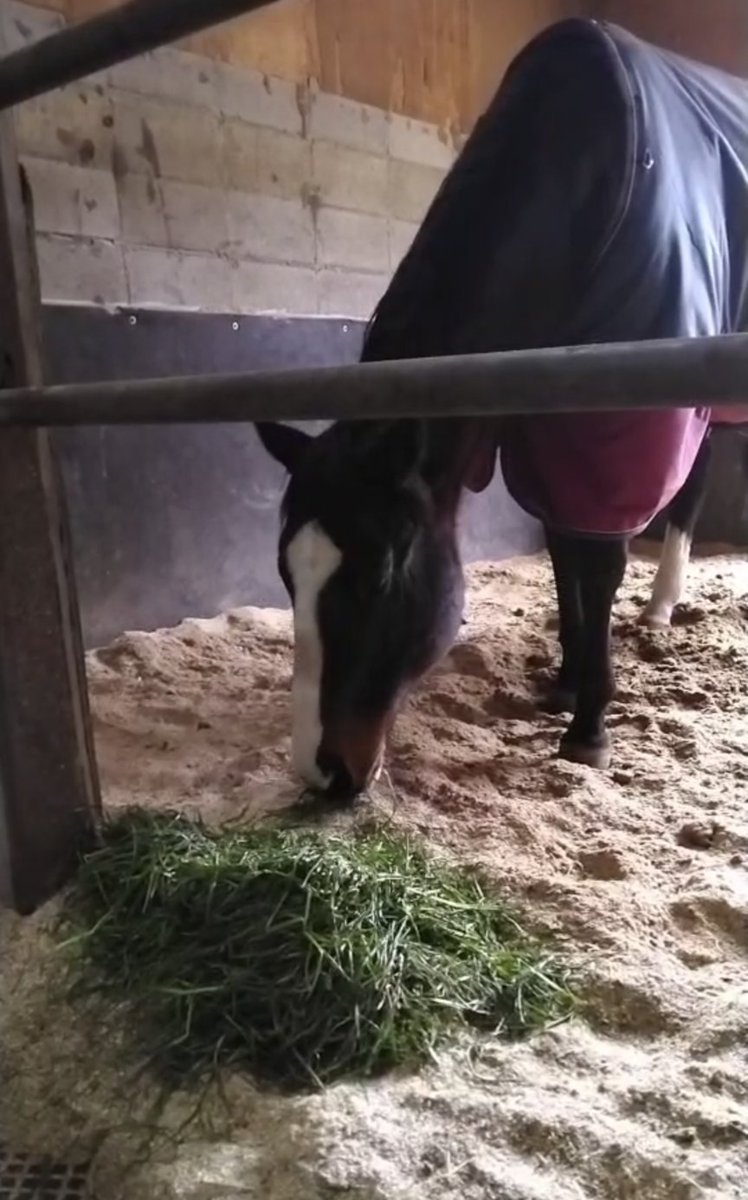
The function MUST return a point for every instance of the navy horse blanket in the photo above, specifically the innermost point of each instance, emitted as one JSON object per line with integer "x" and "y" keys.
{"x": 602, "y": 197}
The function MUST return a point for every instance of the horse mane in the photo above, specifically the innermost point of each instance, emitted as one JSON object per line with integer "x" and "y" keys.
{"x": 420, "y": 306}
{"x": 469, "y": 282}
{"x": 440, "y": 298}
{"x": 429, "y": 308}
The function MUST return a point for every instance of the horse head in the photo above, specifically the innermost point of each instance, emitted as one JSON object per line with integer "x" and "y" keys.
{"x": 368, "y": 554}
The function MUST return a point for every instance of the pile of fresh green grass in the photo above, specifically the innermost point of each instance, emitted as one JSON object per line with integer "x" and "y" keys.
{"x": 300, "y": 957}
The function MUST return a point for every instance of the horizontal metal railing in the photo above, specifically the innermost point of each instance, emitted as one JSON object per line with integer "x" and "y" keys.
{"x": 673, "y": 373}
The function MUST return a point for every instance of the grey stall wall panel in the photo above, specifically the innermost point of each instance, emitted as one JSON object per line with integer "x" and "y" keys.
{"x": 179, "y": 521}
{"x": 84, "y": 344}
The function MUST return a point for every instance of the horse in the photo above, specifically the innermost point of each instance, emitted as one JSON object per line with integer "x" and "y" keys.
{"x": 602, "y": 196}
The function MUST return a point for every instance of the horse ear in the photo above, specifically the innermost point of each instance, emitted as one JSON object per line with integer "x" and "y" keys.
{"x": 284, "y": 443}
{"x": 395, "y": 451}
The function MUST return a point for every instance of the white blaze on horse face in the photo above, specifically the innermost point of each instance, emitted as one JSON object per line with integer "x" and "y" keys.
{"x": 670, "y": 578}
{"x": 312, "y": 560}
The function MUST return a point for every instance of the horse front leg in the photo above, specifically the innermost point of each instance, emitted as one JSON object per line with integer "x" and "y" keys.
{"x": 562, "y": 697}
{"x": 600, "y": 566}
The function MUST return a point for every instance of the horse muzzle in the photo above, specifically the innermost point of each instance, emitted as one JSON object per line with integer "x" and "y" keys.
{"x": 351, "y": 756}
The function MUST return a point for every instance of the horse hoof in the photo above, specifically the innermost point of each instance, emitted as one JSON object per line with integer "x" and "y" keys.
{"x": 597, "y": 756}
{"x": 655, "y": 618}
{"x": 558, "y": 700}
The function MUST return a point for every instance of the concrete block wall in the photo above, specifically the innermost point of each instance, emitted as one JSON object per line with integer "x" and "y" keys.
{"x": 175, "y": 180}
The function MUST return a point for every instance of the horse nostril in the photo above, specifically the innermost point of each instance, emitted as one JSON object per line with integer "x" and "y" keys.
{"x": 341, "y": 783}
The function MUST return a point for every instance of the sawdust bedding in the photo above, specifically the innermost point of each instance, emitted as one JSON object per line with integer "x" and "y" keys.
{"x": 640, "y": 869}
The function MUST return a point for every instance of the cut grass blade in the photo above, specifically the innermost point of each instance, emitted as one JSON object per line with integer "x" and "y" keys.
{"x": 299, "y": 957}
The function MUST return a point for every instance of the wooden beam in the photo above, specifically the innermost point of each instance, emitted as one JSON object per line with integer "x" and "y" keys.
{"x": 110, "y": 37}
{"x": 49, "y": 793}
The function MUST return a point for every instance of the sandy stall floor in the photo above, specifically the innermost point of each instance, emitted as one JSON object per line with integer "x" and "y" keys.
{"x": 643, "y": 869}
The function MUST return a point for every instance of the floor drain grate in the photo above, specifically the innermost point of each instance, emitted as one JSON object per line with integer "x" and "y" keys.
{"x": 26, "y": 1178}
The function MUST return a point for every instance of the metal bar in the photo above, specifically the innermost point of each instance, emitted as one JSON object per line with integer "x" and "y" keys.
{"x": 110, "y": 38}
{"x": 677, "y": 373}
{"x": 48, "y": 782}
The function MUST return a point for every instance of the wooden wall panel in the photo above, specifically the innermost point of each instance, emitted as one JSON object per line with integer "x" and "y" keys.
{"x": 278, "y": 40}
{"x": 499, "y": 30}
{"x": 714, "y": 31}
{"x": 439, "y": 60}
{"x": 408, "y": 55}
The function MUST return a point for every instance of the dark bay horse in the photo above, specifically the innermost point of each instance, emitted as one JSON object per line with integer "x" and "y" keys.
{"x": 603, "y": 196}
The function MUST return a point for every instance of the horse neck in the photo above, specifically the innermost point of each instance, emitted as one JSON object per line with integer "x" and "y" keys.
{"x": 450, "y": 446}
